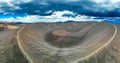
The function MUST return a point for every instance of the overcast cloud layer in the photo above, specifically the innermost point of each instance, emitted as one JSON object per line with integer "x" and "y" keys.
{"x": 101, "y": 8}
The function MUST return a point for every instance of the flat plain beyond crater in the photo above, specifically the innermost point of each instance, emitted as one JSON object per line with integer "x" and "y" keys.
{"x": 68, "y": 42}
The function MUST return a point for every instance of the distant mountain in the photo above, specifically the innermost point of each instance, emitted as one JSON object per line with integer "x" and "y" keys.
{"x": 11, "y": 23}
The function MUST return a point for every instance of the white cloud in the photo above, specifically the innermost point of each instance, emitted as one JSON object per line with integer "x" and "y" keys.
{"x": 58, "y": 14}
{"x": 11, "y": 4}
{"x": 55, "y": 17}
{"x": 10, "y": 1}
{"x": 6, "y": 0}
{"x": 11, "y": 19}
{"x": 108, "y": 4}
{"x": 104, "y": 1}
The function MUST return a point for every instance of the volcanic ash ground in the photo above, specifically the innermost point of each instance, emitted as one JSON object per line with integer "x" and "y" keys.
{"x": 69, "y": 42}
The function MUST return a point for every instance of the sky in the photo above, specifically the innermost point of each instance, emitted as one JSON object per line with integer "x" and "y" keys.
{"x": 59, "y": 10}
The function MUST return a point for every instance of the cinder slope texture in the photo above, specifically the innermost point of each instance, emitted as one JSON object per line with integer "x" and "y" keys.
{"x": 9, "y": 50}
{"x": 70, "y": 42}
